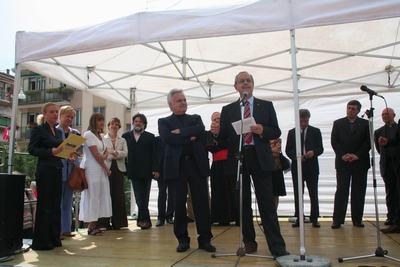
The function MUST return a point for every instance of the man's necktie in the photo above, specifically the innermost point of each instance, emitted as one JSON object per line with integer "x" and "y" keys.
{"x": 302, "y": 142}
{"x": 248, "y": 137}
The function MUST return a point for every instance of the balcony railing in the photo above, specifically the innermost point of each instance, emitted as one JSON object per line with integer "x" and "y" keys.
{"x": 49, "y": 95}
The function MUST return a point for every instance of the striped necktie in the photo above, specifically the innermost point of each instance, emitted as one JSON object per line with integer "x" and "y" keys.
{"x": 248, "y": 137}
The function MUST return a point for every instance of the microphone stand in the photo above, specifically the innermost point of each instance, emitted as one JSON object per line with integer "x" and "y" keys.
{"x": 379, "y": 251}
{"x": 241, "y": 251}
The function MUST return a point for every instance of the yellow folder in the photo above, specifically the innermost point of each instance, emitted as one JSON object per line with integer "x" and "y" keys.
{"x": 70, "y": 145}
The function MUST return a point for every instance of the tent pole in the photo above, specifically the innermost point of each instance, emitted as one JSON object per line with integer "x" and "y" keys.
{"x": 184, "y": 59}
{"x": 293, "y": 51}
{"x": 294, "y": 260}
{"x": 17, "y": 87}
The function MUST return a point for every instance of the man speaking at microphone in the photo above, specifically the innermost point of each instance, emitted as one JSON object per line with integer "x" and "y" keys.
{"x": 257, "y": 161}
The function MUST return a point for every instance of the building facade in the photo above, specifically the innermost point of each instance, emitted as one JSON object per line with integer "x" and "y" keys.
{"x": 6, "y": 89}
{"x": 39, "y": 90}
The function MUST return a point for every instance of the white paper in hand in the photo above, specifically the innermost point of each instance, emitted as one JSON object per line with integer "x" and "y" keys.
{"x": 247, "y": 123}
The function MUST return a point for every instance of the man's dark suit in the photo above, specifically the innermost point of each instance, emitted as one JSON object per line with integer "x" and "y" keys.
{"x": 310, "y": 167}
{"x": 257, "y": 162}
{"x": 389, "y": 162}
{"x": 352, "y": 138}
{"x": 186, "y": 162}
{"x": 48, "y": 178}
{"x": 142, "y": 162}
{"x": 165, "y": 207}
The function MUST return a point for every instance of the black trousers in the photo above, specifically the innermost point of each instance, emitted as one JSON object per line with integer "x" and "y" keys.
{"x": 311, "y": 180}
{"x": 48, "y": 212}
{"x": 166, "y": 199}
{"x": 262, "y": 181}
{"x": 392, "y": 194}
{"x": 189, "y": 175}
{"x": 358, "y": 179}
{"x": 141, "y": 189}
{"x": 223, "y": 204}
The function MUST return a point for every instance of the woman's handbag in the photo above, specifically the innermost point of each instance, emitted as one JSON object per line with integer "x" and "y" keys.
{"x": 77, "y": 179}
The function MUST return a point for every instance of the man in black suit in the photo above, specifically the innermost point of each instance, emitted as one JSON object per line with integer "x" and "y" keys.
{"x": 311, "y": 148}
{"x": 257, "y": 161}
{"x": 142, "y": 165}
{"x": 388, "y": 146}
{"x": 186, "y": 163}
{"x": 165, "y": 207}
{"x": 351, "y": 142}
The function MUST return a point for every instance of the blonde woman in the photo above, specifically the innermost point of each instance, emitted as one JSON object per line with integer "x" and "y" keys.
{"x": 95, "y": 200}
{"x": 67, "y": 115}
{"x": 43, "y": 144}
{"x": 117, "y": 152}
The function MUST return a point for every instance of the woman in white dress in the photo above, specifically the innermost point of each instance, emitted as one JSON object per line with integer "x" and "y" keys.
{"x": 96, "y": 200}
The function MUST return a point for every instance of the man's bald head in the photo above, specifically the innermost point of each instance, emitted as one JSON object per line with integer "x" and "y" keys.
{"x": 388, "y": 115}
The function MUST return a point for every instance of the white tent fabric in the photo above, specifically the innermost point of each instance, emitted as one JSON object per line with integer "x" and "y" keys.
{"x": 340, "y": 44}
{"x": 145, "y": 51}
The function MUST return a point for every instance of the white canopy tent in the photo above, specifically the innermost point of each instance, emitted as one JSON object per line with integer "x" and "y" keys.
{"x": 200, "y": 51}
{"x": 136, "y": 60}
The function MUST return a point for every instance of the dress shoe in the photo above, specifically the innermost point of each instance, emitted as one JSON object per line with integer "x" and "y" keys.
{"x": 170, "y": 220}
{"x": 296, "y": 224}
{"x": 42, "y": 247}
{"x": 388, "y": 222}
{"x": 182, "y": 246}
{"x": 335, "y": 225}
{"x": 207, "y": 247}
{"x": 360, "y": 225}
{"x": 316, "y": 224}
{"x": 146, "y": 225}
{"x": 68, "y": 235}
{"x": 250, "y": 246}
{"x": 280, "y": 254}
{"x": 391, "y": 229}
{"x": 160, "y": 222}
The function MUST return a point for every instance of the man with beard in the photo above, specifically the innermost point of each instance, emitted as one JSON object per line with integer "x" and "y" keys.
{"x": 142, "y": 165}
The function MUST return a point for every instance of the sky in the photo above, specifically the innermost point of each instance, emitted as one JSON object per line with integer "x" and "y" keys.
{"x": 56, "y": 15}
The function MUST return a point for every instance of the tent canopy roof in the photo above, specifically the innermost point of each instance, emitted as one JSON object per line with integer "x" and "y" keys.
{"x": 201, "y": 51}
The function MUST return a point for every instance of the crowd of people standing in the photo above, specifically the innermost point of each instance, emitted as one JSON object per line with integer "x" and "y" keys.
{"x": 178, "y": 160}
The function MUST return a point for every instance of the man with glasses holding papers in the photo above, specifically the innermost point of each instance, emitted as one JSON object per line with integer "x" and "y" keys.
{"x": 257, "y": 160}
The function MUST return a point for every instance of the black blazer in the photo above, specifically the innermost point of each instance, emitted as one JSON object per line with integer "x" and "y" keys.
{"x": 391, "y": 150}
{"x": 356, "y": 141}
{"x": 174, "y": 144}
{"x": 40, "y": 145}
{"x": 142, "y": 155}
{"x": 212, "y": 145}
{"x": 313, "y": 141}
{"x": 264, "y": 114}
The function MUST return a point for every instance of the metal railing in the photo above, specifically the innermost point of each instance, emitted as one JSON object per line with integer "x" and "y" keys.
{"x": 36, "y": 97}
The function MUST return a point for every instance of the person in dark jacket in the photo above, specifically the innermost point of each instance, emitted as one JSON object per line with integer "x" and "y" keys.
{"x": 387, "y": 144}
{"x": 258, "y": 162}
{"x": 311, "y": 149}
{"x": 44, "y": 144}
{"x": 142, "y": 165}
{"x": 282, "y": 164}
{"x": 185, "y": 162}
{"x": 166, "y": 196}
{"x": 223, "y": 177}
{"x": 351, "y": 142}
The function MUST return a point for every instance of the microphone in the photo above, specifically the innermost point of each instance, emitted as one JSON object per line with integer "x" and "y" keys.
{"x": 245, "y": 95}
{"x": 369, "y": 91}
